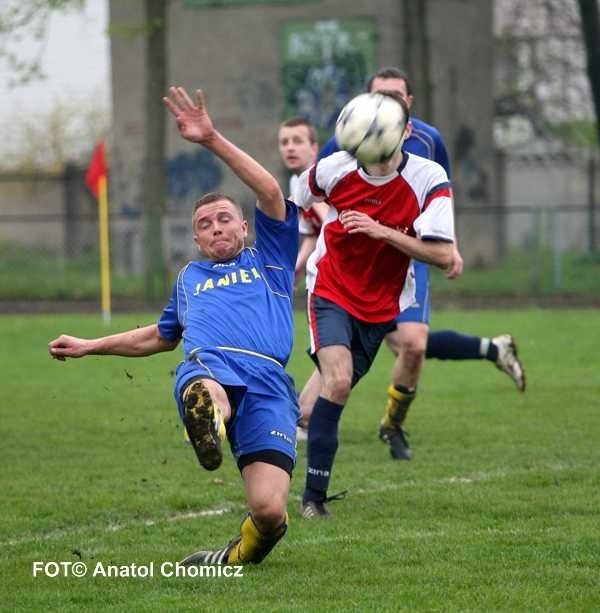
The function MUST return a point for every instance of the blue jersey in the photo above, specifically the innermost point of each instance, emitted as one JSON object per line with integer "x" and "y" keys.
{"x": 425, "y": 140}
{"x": 243, "y": 305}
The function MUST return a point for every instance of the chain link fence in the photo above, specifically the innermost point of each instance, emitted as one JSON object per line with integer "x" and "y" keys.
{"x": 49, "y": 245}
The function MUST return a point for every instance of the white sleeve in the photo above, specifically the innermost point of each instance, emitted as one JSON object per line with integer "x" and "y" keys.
{"x": 316, "y": 183}
{"x": 303, "y": 196}
{"x": 436, "y": 222}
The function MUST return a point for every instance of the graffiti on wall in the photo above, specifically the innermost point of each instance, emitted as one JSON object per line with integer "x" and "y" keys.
{"x": 191, "y": 174}
{"x": 325, "y": 63}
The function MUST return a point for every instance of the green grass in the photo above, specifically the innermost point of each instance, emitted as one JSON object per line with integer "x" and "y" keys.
{"x": 498, "y": 511}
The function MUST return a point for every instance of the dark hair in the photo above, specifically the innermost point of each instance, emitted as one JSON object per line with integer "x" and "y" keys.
{"x": 390, "y": 72}
{"x": 399, "y": 99}
{"x": 293, "y": 122}
{"x": 215, "y": 197}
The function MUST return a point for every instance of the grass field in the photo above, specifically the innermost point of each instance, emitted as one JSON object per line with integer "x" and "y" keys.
{"x": 498, "y": 511}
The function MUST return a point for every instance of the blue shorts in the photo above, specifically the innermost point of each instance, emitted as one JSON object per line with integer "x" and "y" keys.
{"x": 420, "y": 311}
{"x": 262, "y": 395}
{"x": 331, "y": 325}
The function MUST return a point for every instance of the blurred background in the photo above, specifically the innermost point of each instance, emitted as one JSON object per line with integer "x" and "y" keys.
{"x": 509, "y": 83}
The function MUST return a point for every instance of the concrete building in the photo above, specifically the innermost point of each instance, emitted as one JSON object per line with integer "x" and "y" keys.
{"x": 260, "y": 62}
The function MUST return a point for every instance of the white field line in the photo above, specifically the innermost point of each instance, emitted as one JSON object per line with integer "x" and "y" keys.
{"x": 231, "y": 507}
{"x": 117, "y": 527}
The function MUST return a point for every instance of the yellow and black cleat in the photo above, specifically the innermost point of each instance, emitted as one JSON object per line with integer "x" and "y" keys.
{"x": 250, "y": 547}
{"x": 204, "y": 425}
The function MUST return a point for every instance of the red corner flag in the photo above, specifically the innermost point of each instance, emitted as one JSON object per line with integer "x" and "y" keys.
{"x": 96, "y": 169}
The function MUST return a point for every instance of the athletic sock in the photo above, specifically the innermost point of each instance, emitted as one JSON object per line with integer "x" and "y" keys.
{"x": 322, "y": 445}
{"x": 488, "y": 350}
{"x": 450, "y": 345}
{"x": 254, "y": 546}
{"x": 399, "y": 401}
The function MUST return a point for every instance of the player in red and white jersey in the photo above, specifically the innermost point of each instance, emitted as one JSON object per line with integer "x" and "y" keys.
{"x": 380, "y": 217}
{"x": 363, "y": 276}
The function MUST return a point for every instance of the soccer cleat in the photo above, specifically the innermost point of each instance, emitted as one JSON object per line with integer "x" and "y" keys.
{"x": 508, "y": 362}
{"x": 204, "y": 425}
{"x": 312, "y": 509}
{"x": 395, "y": 438}
{"x": 220, "y": 556}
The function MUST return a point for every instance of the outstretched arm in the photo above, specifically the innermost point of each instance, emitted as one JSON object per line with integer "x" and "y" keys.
{"x": 133, "y": 343}
{"x": 195, "y": 125}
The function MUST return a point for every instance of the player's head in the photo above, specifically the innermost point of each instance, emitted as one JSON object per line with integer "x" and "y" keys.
{"x": 393, "y": 79}
{"x": 219, "y": 227}
{"x": 297, "y": 140}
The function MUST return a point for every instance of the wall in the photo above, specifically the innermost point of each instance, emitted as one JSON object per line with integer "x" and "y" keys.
{"x": 237, "y": 55}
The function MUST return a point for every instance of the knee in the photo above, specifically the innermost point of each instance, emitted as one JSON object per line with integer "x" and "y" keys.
{"x": 413, "y": 349}
{"x": 337, "y": 387}
{"x": 268, "y": 515}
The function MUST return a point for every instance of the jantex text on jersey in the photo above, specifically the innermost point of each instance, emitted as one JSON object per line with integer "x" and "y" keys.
{"x": 232, "y": 278}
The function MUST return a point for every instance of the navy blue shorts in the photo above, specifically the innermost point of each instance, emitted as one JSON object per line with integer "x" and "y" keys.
{"x": 262, "y": 395}
{"x": 420, "y": 311}
{"x": 330, "y": 324}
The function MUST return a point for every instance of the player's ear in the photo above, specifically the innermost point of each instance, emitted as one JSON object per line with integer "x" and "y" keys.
{"x": 245, "y": 227}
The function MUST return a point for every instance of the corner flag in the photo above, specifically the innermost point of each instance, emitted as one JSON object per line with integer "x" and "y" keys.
{"x": 95, "y": 179}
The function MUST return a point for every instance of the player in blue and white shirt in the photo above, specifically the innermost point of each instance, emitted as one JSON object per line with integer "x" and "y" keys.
{"x": 233, "y": 312}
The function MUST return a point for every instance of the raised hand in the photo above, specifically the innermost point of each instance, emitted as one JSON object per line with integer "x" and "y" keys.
{"x": 193, "y": 121}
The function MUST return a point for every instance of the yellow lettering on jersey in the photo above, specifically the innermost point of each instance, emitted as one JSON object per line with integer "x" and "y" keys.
{"x": 244, "y": 276}
{"x": 255, "y": 273}
{"x": 208, "y": 284}
{"x": 234, "y": 278}
{"x": 223, "y": 281}
{"x": 198, "y": 289}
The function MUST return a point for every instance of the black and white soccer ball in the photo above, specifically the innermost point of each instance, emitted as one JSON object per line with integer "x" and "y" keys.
{"x": 370, "y": 127}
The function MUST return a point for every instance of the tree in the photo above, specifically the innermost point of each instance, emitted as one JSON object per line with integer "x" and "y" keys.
{"x": 590, "y": 28}
{"x": 541, "y": 73}
{"x": 20, "y": 18}
{"x": 154, "y": 192}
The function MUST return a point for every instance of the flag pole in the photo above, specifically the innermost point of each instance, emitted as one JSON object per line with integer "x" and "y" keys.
{"x": 104, "y": 248}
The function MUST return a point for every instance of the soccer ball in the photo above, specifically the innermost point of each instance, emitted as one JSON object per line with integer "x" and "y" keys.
{"x": 370, "y": 127}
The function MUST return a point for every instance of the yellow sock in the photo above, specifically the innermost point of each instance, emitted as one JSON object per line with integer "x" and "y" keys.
{"x": 254, "y": 545}
{"x": 396, "y": 407}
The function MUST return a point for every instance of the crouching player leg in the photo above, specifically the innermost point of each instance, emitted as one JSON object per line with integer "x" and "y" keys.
{"x": 259, "y": 407}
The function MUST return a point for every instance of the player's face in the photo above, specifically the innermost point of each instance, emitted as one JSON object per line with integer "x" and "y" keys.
{"x": 392, "y": 85}
{"x": 295, "y": 148}
{"x": 219, "y": 230}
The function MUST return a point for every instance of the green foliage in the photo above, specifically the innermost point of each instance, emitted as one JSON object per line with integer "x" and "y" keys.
{"x": 30, "y": 273}
{"x": 497, "y": 511}
{"x": 38, "y": 274}
{"x": 581, "y": 132}
{"x": 523, "y": 273}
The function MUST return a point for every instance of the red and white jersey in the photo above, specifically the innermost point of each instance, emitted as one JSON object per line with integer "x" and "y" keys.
{"x": 309, "y": 223}
{"x": 362, "y": 275}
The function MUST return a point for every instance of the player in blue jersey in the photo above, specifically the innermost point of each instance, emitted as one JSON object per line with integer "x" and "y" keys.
{"x": 411, "y": 342}
{"x": 233, "y": 312}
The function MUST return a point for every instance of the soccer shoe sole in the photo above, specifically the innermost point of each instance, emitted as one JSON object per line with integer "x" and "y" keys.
{"x": 199, "y": 420}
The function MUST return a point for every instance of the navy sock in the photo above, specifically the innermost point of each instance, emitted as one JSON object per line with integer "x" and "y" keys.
{"x": 492, "y": 352}
{"x": 450, "y": 345}
{"x": 322, "y": 445}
